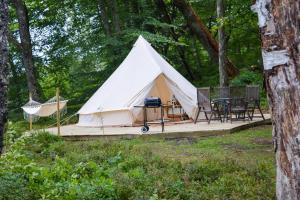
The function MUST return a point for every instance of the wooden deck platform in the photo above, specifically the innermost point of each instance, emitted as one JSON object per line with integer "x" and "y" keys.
{"x": 187, "y": 129}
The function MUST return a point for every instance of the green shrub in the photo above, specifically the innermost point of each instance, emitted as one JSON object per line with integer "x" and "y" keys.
{"x": 43, "y": 166}
{"x": 14, "y": 186}
{"x": 248, "y": 77}
{"x": 14, "y": 131}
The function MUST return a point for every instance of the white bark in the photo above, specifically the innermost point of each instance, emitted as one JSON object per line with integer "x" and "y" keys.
{"x": 281, "y": 56}
{"x": 274, "y": 58}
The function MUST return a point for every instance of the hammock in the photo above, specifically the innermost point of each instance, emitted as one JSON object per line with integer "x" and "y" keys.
{"x": 33, "y": 110}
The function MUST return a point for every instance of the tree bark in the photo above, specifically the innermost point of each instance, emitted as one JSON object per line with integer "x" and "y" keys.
{"x": 3, "y": 68}
{"x": 115, "y": 16}
{"x": 196, "y": 52}
{"x": 134, "y": 10}
{"x": 223, "y": 78}
{"x": 161, "y": 6}
{"x": 200, "y": 30}
{"x": 22, "y": 15}
{"x": 104, "y": 17}
{"x": 279, "y": 23}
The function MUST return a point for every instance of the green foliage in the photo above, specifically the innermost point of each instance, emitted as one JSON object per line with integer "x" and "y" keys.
{"x": 14, "y": 131}
{"x": 248, "y": 77}
{"x": 55, "y": 178}
{"x": 72, "y": 50}
{"x": 225, "y": 167}
{"x": 252, "y": 77}
{"x": 13, "y": 186}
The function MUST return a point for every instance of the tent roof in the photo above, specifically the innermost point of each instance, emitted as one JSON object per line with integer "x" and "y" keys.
{"x": 139, "y": 69}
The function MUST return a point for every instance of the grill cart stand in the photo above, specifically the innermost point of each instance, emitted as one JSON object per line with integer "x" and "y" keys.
{"x": 145, "y": 127}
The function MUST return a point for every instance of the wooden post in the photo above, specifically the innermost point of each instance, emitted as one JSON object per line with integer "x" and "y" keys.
{"x": 57, "y": 113}
{"x": 30, "y": 116}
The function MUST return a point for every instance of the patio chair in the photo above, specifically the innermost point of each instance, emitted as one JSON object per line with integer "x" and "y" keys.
{"x": 237, "y": 92}
{"x": 221, "y": 92}
{"x": 221, "y": 96}
{"x": 253, "y": 99}
{"x": 205, "y": 105}
{"x": 238, "y": 108}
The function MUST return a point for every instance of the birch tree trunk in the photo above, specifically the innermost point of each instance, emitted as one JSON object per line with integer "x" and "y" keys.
{"x": 223, "y": 78}
{"x": 200, "y": 30}
{"x": 3, "y": 68}
{"x": 22, "y": 15}
{"x": 279, "y": 23}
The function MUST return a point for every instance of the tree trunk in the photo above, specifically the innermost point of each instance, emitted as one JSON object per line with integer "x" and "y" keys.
{"x": 200, "y": 30}
{"x": 104, "y": 17}
{"x": 223, "y": 78}
{"x": 15, "y": 82}
{"x": 3, "y": 68}
{"x": 280, "y": 33}
{"x": 196, "y": 52}
{"x": 134, "y": 10}
{"x": 115, "y": 16}
{"x": 162, "y": 8}
{"x": 22, "y": 15}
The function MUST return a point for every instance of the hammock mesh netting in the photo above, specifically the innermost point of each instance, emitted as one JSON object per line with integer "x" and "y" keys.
{"x": 33, "y": 105}
{"x": 62, "y": 109}
{"x": 33, "y": 110}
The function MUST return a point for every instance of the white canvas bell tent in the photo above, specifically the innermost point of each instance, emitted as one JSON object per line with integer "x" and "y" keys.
{"x": 143, "y": 73}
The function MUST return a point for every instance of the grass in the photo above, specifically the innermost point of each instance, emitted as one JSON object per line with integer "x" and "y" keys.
{"x": 235, "y": 166}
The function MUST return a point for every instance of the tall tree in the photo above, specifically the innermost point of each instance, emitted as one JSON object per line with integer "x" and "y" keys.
{"x": 162, "y": 8}
{"x": 196, "y": 52}
{"x": 280, "y": 33}
{"x": 200, "y": 30}
{"x": 26, "y": 47}
{"x": 115, "y": 16}
{"x": 102, "y": 9}
{"x": 223, "y": 78}
{"x": 3, "y": 68}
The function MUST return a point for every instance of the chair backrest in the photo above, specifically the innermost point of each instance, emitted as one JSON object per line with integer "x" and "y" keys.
{"x": 238, "y": 103}
{"x": 237, "y": 92}
{"x": 221, "y": 92}
{"x": 252, "y": 93}
{"x": 203, "y": 97}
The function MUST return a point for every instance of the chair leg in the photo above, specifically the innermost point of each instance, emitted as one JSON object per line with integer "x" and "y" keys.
{"x": 218, "y": 113}
{"x": 249, "y": 116}
{"x": 220, "y": 117}
{"x": 198, "y": 112}
{"x": 205, "y": 115}
{"x": 261, "y": 112}
{"x": 252, "y": 114}
{"x": 211, "y": 114}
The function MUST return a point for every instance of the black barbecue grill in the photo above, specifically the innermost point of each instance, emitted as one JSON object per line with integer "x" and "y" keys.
{"x": 151, "y": 102}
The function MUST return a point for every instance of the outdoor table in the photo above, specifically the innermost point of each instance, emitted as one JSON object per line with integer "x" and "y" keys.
{"x": 145, "y": 128}
{"x": 224, "y": 102}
